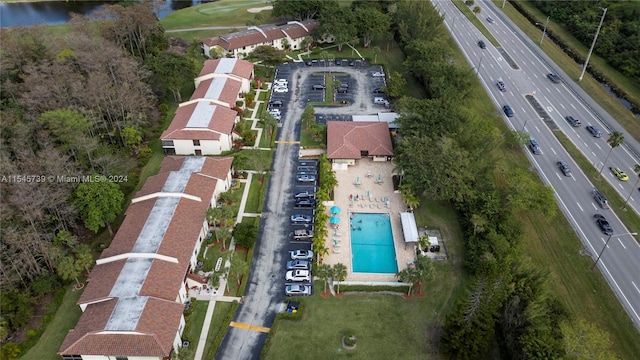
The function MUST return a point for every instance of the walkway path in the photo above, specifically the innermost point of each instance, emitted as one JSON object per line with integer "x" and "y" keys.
{"x": 208, "y": 28}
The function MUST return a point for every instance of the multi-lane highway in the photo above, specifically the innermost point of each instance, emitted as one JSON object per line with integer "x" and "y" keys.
{"x": 540, "y": 106}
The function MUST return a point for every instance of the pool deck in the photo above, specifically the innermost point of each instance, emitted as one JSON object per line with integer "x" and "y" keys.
{"x": 345, "y": 188}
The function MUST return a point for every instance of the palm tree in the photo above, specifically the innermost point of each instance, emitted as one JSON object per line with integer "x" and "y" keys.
{"x": 636, "y": 170}
{"x": 409, "y": 197}
{"x": 269, "y": 123}
{"x": 615, "y": 139}
{"x": 324, "y": 272}
{"x": 376, "y": 51}
{"x": 339, "y": 273}
{"x": 479, "y": 222}
{"x": 409, "y": 275}
{"x": 213, "y": 217}
{"x": 306, "y": 43}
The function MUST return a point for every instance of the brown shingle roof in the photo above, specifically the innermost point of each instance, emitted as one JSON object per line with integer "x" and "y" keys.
{"x": 221, "y": 121}
{"x": 346, "y": 139}
{"x": 252, "y": 36}
{"x": 155, "y": 330}
{"x": 241, "y": 68}
{"x": 229, "y": 90}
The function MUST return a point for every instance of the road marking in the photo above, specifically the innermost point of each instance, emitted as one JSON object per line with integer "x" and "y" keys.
{"x": 554, "y": 152}
{"x": 574, "y": 179}
{"x": 594, "y": 206}
{"x": 604, "y": 241}
{"x": 634, "y": 285}
{"x": 535, "y": 126}
{"x": 598, "y": 146}
{"x": 287, "y": 142}
{"x": 249, "y": 327}
{"x": 581, "y": 209}
{"x": 594, "y": 154}
{"x": 620, "y": 241}
{"x": 621, "y": 187}
{"x": 573, "y": 106}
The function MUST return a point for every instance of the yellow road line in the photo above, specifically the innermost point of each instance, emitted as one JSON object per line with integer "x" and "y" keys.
{"x": 249, "y": 327}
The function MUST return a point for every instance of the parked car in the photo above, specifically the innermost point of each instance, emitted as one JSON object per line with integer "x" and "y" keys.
{"x": 343, "y": 90}
{"x": 554, "y": 78}
{"x": 490, "y": 19}
{"x": 308, "y": 62}
{"x": 502, "y": 86}
{"x": 302, "y": 234}
{"x": 298, "y": 265}
{"x": 508, "y": 110}
{"x": 318, "y": 87}
{"x": 338, "y": 62}
{"x": 594, "y": 131}
{"x": 482, "y": 44}
{"x": 380, "y": 101}
{"x": 378, "y": 74}
{"x": 307, "y": 202}
{"x": 280, "y": 89}
{"x": 573, "y": 121}
{"x": 276, "y": 103}
{"x": 534, "y": 146}
{"x": 298, "y": 275}
{"x": 379, "y": 90}
{"x": 301, "y": 254}
{"x": 603, "y": 224}
{"x": 564, "y": 167}
{"x": 352, "y": 63}
{"x": 304, "y": 194}
{"x": 284, "y": 82}
{"x": 299, "y": 218}
{"x": 621, "y": 175}
{"x": 297, "y": 290}
{"x": 306, "y": 178}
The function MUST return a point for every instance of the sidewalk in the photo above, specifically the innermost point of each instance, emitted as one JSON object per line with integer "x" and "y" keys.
{"x": 223, "y": 281}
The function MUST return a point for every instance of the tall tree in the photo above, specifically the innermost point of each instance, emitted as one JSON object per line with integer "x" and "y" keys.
{"x": 340, "y": 23}
{"x": 68, "y": 269}
{"x": 172, "y": 72}
{"x": 302, "y": 10}
{"x": 324, "y": 273}
{"x": 409, "y": 275}
{"x": 370, "y": 23}
{"x": 238, "y": 268}
{"x": 396, "y": 85}
{"x": 586, "y": 341}
{"x": 99, "y": 203}
{"x": 615, "y": 139}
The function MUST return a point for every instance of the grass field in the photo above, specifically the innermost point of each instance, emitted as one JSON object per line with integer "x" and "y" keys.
{"x": 66, "y": 318}
{"x": 218, "y": 13}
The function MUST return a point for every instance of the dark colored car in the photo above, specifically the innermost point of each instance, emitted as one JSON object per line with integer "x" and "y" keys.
{"x": 564, "y": 167}
{"x": 308, "y": 62}
{"x": 318, "y": 87}
{"x": 507, "y": 110}
{"x": 573, "y": 121}
{"x": 600, "y": 198}
{"x": 352, "y": 63}
{"x": 306, "y": 202}
{"x": 275, "y": 103}
{"x": 603, "y": 224}
{"x": 534, "y": 146}
{"x": 380, "y": 90}
{"x": 338, "y": 62}
{"x": 594, "y": 131}
{"x": 554, "y": 78}
{"x": 343, "y": 90}
{"x": 482, "y": 44}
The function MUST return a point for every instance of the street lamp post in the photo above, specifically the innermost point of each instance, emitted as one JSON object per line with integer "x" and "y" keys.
{"x": 525, "y": 124}
{"x": 607, "y": 244}
{"x": 544, "y": 31}
{"x": 593, "y": 44}
{"x": 479, "y": 63}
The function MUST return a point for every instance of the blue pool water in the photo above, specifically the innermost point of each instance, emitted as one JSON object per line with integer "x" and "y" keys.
{"x": 372, "y": 244}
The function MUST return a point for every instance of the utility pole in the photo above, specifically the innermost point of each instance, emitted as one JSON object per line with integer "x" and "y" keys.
{"x": 586, "y": 62}
{"x": 503, "y": 2}
{"x": 607, "y": 244}
{"x": 544, "y": 31}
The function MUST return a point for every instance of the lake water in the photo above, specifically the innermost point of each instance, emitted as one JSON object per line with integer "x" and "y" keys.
{"x": 59, "y": 12}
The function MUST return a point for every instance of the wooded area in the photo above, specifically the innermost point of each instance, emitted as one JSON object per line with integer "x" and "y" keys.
{"x": 78, "y": 112}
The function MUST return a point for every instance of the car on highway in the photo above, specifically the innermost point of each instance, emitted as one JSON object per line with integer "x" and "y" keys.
{"x": 490, "y": 20}
{"x": 300, "y": 218}
{"x": 301, "y": 254}
{"x": 502, "y": 86}
{"x": 507, "y": 110}
{"x": 594, "y": 131}
{"x": 600, "y": 198}
{"x": 534, "y": 146}
{"x": 298, "y": 275}
{"x": 318, "y": 87}
{"x": 564, "y": 167}
{"x": 304, "y": 194}
{"x": 573, "y": 121}
{"x": 603, "y": 224}
{"x": 554, "y": 78}
{"x": 378, "y": 74}
{"x": 482, "y": 44}
{"x": 297, "y": 290}
{"x": 621, "y": 175}
{"x": 306, "y": 178}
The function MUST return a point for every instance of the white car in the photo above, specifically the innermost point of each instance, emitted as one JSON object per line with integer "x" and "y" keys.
{"x": 274, "y": 111}
{"x": 281, "y": 89}
{"x": 297, "y": 290}
{"x": 378, "y": 74}
{"x": 298, "y": 275}
{"x": 280, "y": 82}
{"x": 301, "y": 254}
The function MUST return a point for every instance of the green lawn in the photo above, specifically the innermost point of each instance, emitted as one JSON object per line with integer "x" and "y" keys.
{"x": 255, "y": 199}
{"x": 219, "y": 13}
{"x": 219, "y": 325}
{"x": 194, "y": 325}
{"x": 64, "y": 320}
{"x": 624, "y": 117}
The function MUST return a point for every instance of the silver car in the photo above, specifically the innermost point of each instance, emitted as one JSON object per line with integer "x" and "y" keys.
{"x": 297, "y": 290}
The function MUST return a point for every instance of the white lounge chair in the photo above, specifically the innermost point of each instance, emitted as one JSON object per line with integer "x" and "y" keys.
{"x": 337, "y": 251}
{"x": 336, "y": 244}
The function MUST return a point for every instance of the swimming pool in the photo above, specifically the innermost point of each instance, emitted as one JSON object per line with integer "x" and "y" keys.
{"x": 372, "y": 244}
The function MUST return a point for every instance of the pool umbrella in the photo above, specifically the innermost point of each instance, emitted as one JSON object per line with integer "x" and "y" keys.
{"x": 335, "y": 209}
{"x": 334, "y": 220}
